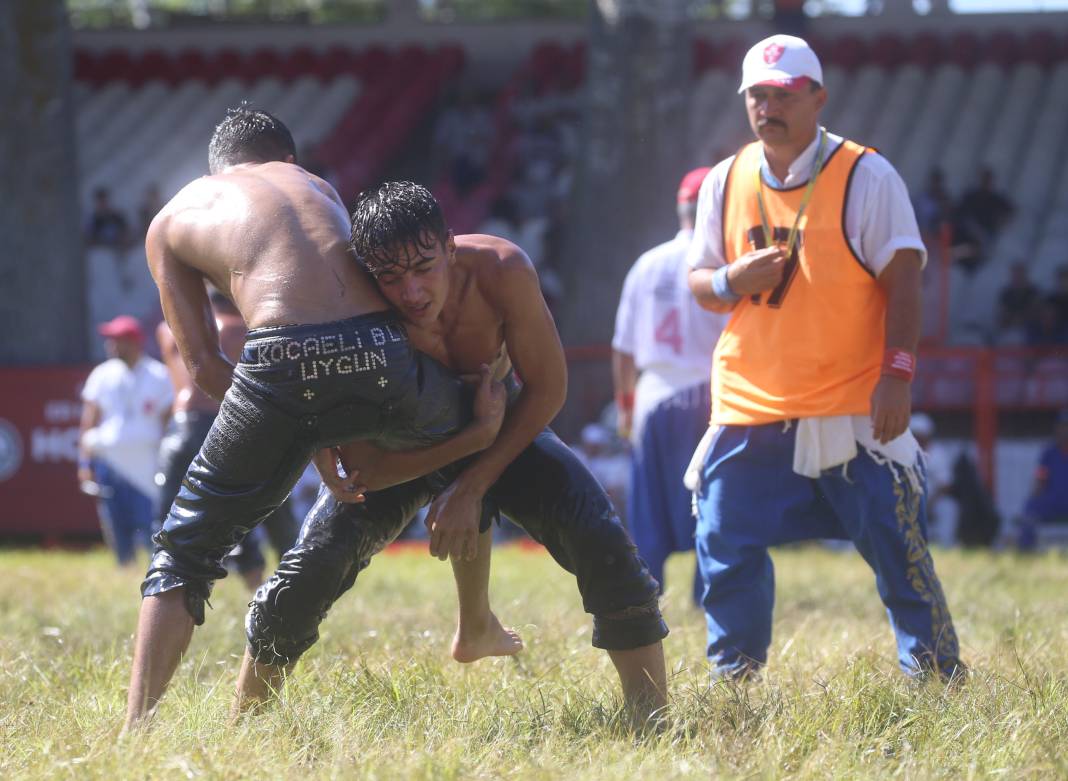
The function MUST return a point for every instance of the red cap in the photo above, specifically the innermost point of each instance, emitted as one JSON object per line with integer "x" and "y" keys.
{"x": 123, "y": 326}
{"x": 690, "y": 185}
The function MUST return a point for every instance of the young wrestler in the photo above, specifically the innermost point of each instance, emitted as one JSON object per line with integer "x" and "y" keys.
{"x": 192, "y": 414}
{"x": 467, "y": 301}
{"x": 325, "y": 361}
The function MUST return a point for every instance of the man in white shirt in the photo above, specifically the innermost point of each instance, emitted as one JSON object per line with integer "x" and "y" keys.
{"x": 125, "y": 404}
{"x": 661, "y": 363}
{"x": 943, "y": 509}
{"x": 810, "y": 242}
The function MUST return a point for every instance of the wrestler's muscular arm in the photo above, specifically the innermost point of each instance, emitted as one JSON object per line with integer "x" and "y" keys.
{"x": 185, "y": 305}
{"x": 368, "y": 467}
{"x": 530, "y": 337}
{"x": 891, "y": 402}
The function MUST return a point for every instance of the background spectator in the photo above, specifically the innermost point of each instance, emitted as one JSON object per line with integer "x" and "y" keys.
{"x": 1018, "y": 304}
{"x": 1047, "y": 329}
{"x": 1058, "y": 299}
{"x": 126, "y": 402}
{"x": 943, "y": 512}
{"x": 933, "y": 205}
{"x": 463, "y": 138}
{"x": 1045, "y": 518}
{"x": 602, "y": 454}
{"x": 107, "y": 227}
{"x": 978, "y": 219}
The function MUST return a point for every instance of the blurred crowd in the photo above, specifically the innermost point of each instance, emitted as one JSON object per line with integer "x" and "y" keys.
{"x": 504, "y": 165}
{"x": 1027, "y": 315}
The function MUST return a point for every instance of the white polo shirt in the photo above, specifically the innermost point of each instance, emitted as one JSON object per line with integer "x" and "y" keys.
{"x": 660, "y": 323}
{"x": 879, "y": 218}
{"x": 132, "y": 404}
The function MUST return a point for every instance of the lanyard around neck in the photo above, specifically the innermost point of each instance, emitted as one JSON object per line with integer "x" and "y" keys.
{"x": 792, "y": 237}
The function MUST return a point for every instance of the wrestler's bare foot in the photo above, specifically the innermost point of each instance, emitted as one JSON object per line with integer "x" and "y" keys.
{"x": 473, "y": 643}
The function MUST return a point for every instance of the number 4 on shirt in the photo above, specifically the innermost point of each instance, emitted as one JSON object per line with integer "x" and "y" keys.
{"x": 668, "y": 331}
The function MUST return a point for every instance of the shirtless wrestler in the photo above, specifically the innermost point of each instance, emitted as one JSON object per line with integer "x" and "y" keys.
{"x": 325, "y": 361}
{"x": 192, "y": 414}
{"x": 468, "y": 301}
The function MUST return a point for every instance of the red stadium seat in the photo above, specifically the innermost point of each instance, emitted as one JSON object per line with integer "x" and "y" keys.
{"x": 337, "y": 61}
{"x": 927, "y": 50}
{"x": 1042, "y": 47}
{"x": 192, "y": 64}
{"x": 889, "y": 50}
{"x": 451, "y": 58}
{"x": 86, "y": 67}
{"x": 546, "y": 61}
{"x": 703, "y": 58}
{"x": 226, "y": 64}
{"x": 374, "y": 61}
{"x": 848, "y": 51}
{"x": 576, "y": 67}
{"x": 262, "y": 64}
{"x": 414, "y": 55}
{"x": 300, "y": 62}
{"x": 965, "y": 49}
{"x": 155, "y": 65}
{"x": 728, "y": 54}
{"x": 115, "y": 65}
{"x": 1003, "y": 47}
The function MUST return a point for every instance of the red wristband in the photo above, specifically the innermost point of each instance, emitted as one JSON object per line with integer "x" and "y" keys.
{"x": 899, "y": 363}
{"x": 625, "y": 401}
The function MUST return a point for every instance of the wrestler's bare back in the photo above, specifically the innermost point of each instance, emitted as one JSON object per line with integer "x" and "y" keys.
{"x": 276, "y": 239}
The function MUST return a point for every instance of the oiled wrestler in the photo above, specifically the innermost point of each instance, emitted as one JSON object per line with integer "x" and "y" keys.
{"x": 325, "y": 361}
{"x": 468, "y": 301}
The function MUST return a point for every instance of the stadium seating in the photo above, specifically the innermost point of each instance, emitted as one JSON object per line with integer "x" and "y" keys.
{"x": 958, "y": 101}
{"x": 145, "y": 120}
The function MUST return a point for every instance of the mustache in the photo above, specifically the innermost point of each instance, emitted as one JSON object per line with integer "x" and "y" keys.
{"x": 766, "y": 122}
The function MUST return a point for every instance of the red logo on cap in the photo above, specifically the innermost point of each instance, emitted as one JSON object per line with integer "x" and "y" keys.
{"x": 772, "y": 53}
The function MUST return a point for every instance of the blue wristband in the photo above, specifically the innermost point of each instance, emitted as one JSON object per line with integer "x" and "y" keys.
{"x": 721, "y": 286}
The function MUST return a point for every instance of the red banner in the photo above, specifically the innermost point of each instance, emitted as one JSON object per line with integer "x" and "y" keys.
{"x": 39, "y": 414}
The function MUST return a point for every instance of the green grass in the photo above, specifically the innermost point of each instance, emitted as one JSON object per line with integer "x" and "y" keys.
{"x": 379, "y": 698}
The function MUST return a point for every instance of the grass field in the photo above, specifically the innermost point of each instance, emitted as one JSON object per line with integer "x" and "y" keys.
{"x": 379, "y": 698}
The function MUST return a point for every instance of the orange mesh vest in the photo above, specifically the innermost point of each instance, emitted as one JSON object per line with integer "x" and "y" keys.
{"x": 813, "y": 346}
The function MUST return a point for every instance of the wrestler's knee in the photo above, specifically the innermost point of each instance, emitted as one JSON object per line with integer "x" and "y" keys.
{"x": 611, "y": 574}
{"x": 166, "y": 576}
{"x": 620, "y": 592}
{"x": 284, "y": 615}
{"x": 629, "y": 628}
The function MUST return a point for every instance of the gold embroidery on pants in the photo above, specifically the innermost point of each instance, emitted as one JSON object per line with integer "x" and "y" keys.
{"x": 920, "y": 572}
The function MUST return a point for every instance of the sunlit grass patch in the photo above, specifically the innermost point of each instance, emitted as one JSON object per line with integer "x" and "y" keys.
{"x": 379, "y": 697}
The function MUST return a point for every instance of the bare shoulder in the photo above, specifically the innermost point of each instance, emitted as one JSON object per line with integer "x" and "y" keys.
{"x": 196, "y": 197}
{"x": 324, "y": 187}
{"x": 493, "y": 260}
{"x": 503, "y": 273}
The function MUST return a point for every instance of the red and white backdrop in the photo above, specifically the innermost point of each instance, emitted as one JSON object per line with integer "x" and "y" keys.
{"x": 39, "y": 413}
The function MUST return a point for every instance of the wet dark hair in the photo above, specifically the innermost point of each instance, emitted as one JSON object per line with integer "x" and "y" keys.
{"x": 247, "y": 135}
{"x": 390, "y": 220}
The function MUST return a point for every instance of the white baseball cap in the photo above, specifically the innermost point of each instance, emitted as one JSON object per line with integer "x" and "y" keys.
{"x": 780, "y": 61}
